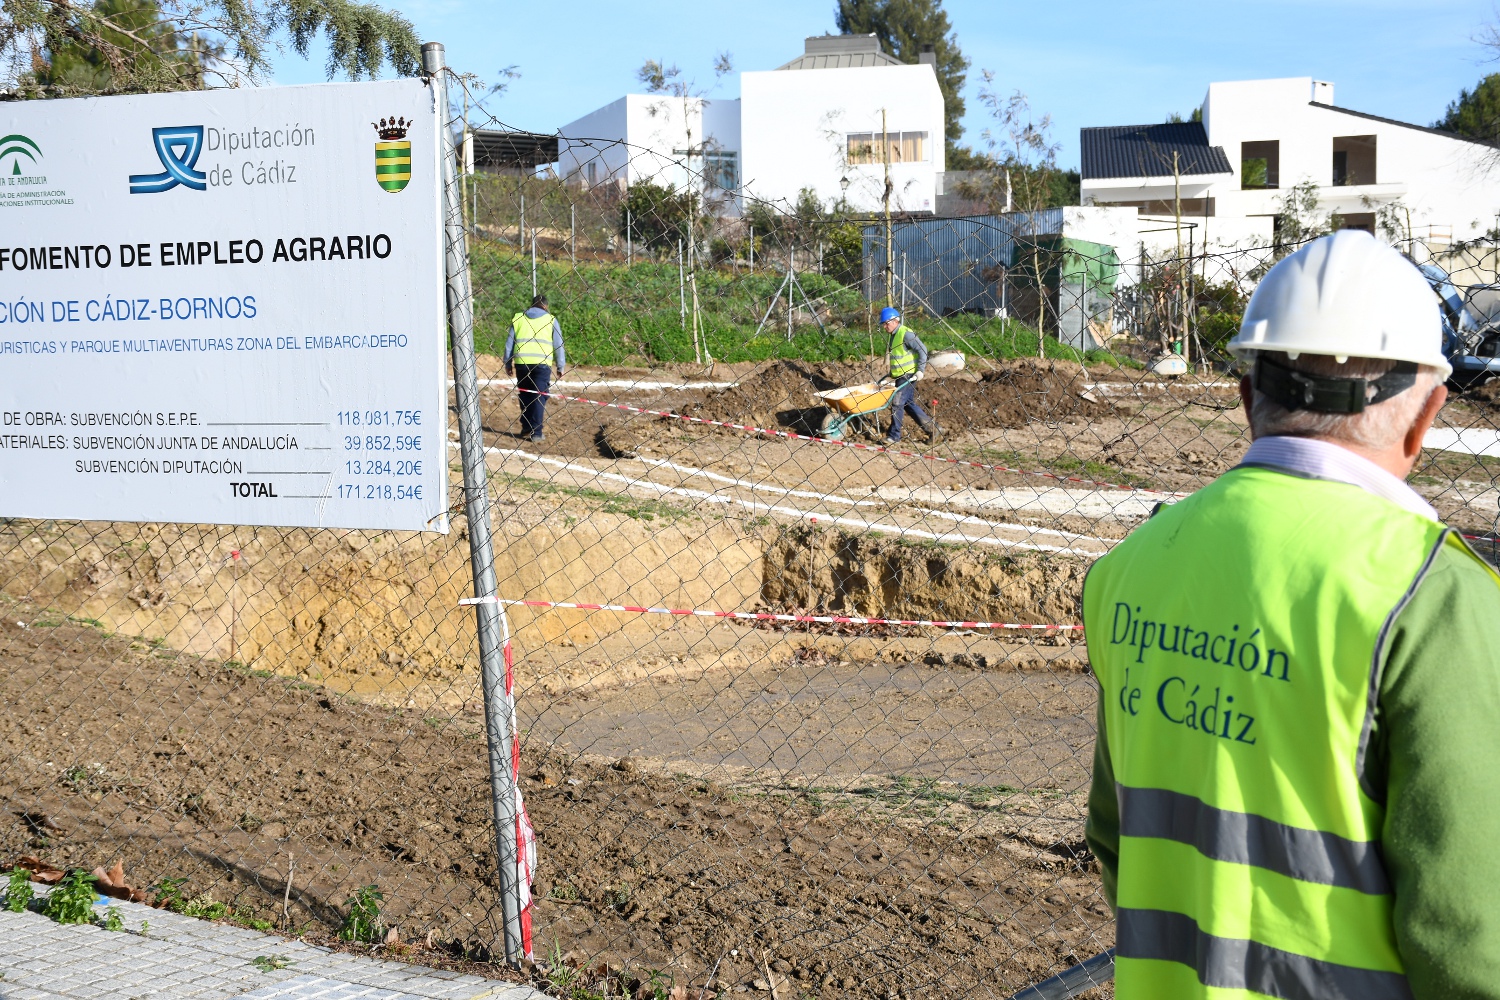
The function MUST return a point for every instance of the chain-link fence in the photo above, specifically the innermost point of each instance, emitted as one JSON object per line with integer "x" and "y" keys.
{"x": 797, "y": 805}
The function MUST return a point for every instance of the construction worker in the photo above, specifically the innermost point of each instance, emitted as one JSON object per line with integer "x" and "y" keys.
{"x": 1296, "y": 790}
{"x": 908, "y": 358}
{"x": 534, "y": 341}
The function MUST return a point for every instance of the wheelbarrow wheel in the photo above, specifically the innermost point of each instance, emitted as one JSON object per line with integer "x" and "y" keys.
{"x": 832, "y": 426}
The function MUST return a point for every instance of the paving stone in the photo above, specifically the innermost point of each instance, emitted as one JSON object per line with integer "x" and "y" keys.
{"x": 182, "y": 958}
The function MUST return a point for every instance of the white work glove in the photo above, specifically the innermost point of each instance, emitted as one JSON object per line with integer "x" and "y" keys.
{"x": 919, "y": 376}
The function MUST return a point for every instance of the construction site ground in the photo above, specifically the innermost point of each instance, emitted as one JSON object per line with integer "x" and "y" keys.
{"x": 857, "y": 810}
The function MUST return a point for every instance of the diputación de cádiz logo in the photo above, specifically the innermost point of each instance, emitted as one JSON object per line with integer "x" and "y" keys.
{"x": 392, "y": 153}
{"x": 16, "y": 146}
{"x": 178, "y": 148}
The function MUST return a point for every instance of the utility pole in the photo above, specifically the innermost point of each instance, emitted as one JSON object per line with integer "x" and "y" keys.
{"x": 890, "y": 251}
{"x": 1177, "y": 264}
{"x": 573, "y": 234}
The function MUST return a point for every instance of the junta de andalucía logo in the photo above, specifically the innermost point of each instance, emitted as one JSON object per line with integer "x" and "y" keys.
{"x": 392, "y": 153}
{"x": 14, "y": 147}
{"x": 178, "y": 147}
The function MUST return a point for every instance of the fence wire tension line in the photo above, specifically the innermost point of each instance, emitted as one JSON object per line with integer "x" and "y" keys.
{"x": 693, "y": 677}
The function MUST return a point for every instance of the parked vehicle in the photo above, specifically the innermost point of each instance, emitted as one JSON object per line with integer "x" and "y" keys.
{"x": 1471, "y": 328}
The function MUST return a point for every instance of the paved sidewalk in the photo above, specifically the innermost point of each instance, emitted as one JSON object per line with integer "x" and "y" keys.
{"x": 182, "y": 958}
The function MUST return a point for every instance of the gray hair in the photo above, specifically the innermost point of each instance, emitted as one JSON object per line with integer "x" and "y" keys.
{"x": 1377, "y": 427}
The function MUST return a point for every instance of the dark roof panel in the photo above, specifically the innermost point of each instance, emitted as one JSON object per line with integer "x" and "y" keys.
{"x": 1146, "y": 151}
{"x": 513, "y": 149}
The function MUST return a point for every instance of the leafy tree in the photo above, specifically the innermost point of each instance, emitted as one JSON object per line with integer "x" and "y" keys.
{"x": 1300, "y": 218}
{"x": 964, "y": 158}
{"x": 903, "y": 27}
{"x": 657, "y": 214}
{"x": 172, "y": 58}
{"x": 143, "y": 46}
{"x": 811, "y": 227}
{"x": 1175, "y": 118}
{"x": 702, "y": 197}
{"x": 1476, "y": 113}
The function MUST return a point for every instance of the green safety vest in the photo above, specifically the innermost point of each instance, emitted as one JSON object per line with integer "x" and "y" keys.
{"x": 533, "y": 339}
{"x": 903, "y": 361}
{"x": 1238, "y": 637}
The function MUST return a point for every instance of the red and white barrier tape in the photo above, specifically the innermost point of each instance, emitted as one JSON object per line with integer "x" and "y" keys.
{"x": 851, "y": 444}
{"x": 757, "y": 616}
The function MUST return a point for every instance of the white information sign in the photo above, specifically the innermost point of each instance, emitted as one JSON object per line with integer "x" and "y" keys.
{"x": 224, "y": 307}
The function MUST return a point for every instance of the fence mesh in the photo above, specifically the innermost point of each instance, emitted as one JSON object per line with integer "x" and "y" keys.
{"x": 283, "y": 716}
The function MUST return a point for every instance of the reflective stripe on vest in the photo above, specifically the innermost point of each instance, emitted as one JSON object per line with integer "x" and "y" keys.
{"x": 533, "y": 339}
{"x": 903, "y": 361}
{"x": 1237, "y": 637}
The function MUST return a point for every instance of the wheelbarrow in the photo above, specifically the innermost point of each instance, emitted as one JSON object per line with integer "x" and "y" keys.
{"x": 852, "y": 404}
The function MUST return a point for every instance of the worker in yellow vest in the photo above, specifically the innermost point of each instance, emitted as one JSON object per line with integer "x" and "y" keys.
{"x": 1296, "y": 783}
{"x": 534, "y": 342}
{"x": 908, "y": 360}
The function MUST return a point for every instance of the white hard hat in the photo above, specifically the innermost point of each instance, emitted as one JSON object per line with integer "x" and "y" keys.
{"x": 1345, "y": 295}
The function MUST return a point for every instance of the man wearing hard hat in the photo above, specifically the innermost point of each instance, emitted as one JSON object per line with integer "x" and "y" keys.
{"x": 908, "y": 359}
{"x": 1297, "y": 778}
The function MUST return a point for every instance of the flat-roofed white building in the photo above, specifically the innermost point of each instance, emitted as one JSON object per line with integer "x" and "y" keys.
{"x": 826, "y": 121}
{"x": 1258, "y": 138}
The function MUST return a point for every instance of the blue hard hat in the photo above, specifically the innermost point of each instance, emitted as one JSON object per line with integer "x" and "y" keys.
{"x": 889, "y": 313}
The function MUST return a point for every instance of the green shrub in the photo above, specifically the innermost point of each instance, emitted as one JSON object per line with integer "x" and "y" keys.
{"x": 362, "y": 922}
{"x": 18, "y": 891}
{"x": 72, "y": 899}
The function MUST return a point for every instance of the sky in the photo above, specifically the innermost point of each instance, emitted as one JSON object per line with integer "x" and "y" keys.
{"x": 1083, "y": 62}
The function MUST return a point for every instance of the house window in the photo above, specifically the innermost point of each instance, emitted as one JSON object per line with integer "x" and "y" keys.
{"x": 1260, "y": 164}
{"x": 1358, "y": 220}
{"x": 721, "y": 170}
{"x": 1353, "y": 160}
{"x": 902, "y": 147}
{"x": 591, "y": 172}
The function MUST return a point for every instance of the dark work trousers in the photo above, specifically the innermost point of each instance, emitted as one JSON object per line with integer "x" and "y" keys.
{"x": 903, "y": 403}
{"x": 531, "y": 380}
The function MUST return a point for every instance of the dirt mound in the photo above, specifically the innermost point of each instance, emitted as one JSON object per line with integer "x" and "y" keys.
{"x": 776, "y": 394}
{"x": 1015, "y": 394}
{"x": 879, "y": 577}
{"x": 1487, "y": 395}
{"x": 619, "y": 439}
{"x": 1012, "y": 395}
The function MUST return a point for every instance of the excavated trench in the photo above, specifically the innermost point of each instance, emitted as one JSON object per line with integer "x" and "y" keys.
{"x": 378, "y": 612}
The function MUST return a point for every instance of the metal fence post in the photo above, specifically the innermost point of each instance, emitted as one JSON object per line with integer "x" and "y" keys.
{"x": 477, "y": 510}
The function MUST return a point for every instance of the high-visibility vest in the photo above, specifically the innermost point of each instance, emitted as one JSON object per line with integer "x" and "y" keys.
{"x": 903, "y": 361}
{"x": 533, "y": 339}
{"x": 1237, "y": 637}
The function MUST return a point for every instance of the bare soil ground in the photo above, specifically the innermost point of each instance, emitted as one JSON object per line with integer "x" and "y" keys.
{"x": 187, "y": 768}
{"x": 866, "y": 812}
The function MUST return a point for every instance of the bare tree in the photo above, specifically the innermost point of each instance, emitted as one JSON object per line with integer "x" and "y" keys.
{"x": 701, "y": 163}
{"x": 1022, "y": 167}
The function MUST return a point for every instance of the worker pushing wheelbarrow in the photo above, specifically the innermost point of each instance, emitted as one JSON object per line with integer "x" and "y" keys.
{"x": 896, "y": 391}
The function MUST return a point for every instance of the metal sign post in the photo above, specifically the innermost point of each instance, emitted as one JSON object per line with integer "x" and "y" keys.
{"x": 497, "y": 715}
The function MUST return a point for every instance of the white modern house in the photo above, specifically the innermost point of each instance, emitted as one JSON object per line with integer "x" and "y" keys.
{"x": 1260, "y": 137}
{"x": 831, "y": 120}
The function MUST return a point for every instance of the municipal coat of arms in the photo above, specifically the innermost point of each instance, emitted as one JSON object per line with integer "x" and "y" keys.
{"x": 392, "y": 153}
